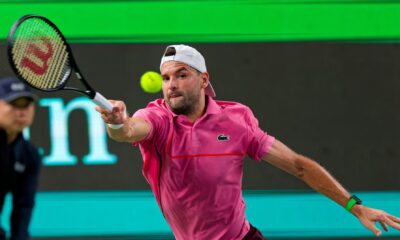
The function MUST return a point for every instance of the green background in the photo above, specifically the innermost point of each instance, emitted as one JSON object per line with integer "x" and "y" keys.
{"x": 213, "y": 21}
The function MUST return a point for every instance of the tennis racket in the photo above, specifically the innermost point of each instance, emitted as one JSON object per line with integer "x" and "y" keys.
{"x": 40, "y": 56}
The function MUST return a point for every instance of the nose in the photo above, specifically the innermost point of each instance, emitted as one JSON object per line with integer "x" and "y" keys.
{"x": 172, "y": 83}
{"x": 21, "y": 112}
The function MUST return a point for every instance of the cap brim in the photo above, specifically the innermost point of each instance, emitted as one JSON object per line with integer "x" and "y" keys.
{"x": 210, "y": 90}
{"x": 14, "y": 96}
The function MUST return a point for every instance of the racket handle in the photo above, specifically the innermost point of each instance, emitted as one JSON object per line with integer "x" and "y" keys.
{"x": 102, "y": 102}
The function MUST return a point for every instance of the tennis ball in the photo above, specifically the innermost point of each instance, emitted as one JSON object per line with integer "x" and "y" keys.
{"x": 151, "y": 82}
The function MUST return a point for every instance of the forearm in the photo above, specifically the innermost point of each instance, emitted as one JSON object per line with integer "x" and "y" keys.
{"x": 307, "y": 170}
{"x": 133, "y": 130}
{"x": 321, "y": 180}
{"x": 121, "y": 134}
{"x": 122, "y": 128}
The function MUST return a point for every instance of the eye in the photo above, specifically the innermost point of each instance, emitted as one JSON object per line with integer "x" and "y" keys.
{"x": 182, "y": 75}
{"x": 165, "y": 78}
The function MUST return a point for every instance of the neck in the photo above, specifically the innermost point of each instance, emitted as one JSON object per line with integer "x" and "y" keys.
{"x": 199, "y": 110}
{"x": 11, "y": 136}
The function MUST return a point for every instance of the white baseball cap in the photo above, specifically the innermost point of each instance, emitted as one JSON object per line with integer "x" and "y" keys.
{"x": 190, "y": 56}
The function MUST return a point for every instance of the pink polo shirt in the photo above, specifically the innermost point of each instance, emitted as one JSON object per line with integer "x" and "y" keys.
{"x": 195, "y": 169}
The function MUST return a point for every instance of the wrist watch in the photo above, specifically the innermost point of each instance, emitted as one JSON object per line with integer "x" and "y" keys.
{"x": 353, "y": 200}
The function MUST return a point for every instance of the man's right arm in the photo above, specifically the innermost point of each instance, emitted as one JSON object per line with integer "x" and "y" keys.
{"x": 132, "y": 129}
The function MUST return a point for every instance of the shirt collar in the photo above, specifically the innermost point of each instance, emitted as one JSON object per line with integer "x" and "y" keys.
{"x": 212, "y": 106}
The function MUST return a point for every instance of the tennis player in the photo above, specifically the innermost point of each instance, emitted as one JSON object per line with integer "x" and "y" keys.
{"x": 193, "y": 148}
{"x": 19, "y": 159}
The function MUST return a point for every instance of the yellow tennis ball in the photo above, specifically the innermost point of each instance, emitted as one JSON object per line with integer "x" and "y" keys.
{"x": 151, "y": 82}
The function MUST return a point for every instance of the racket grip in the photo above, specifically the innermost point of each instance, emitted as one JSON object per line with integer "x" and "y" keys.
{"x": 102, "y": 102}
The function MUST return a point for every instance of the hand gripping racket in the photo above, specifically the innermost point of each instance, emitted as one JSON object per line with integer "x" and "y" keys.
{"x": 40, "y": 56}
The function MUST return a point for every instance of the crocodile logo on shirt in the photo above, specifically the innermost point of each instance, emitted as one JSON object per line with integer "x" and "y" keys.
{"x": 223, "y": 137}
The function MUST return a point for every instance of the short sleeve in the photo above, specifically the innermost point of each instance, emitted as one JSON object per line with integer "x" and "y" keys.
{"x": 158, "y": 121}
{"x": 259, "y": 142}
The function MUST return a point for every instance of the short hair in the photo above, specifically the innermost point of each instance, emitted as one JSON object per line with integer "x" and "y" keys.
{"x": 171, "y": 51}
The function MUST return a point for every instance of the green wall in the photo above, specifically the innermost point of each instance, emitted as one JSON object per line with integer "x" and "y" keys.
{"x": 213, "y": 21}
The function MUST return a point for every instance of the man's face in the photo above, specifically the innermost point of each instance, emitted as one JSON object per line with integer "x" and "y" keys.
{"x": 182, "y": 86}
{"x": 16, "y": 115}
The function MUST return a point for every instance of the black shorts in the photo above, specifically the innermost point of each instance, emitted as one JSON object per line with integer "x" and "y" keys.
{"x": 253, "y": 234}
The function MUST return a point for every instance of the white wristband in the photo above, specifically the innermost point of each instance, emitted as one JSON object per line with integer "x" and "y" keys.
{"x": 115, "y": 126}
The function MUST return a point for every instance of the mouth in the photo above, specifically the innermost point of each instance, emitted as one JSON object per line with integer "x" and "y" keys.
{"x": 20, "y": 123}
{"x": 174, "y": 95}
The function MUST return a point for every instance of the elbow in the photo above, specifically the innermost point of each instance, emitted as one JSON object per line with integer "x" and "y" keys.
{"x": 309, "y": 172}
{"x": 303, "y": 166}
{"x": 299, "y": 169}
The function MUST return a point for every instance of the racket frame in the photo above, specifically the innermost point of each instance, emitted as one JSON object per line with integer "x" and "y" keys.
{"x": 73, "y": 66}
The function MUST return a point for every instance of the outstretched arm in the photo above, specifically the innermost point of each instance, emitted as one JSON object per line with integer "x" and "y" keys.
{"x": 320, "y": 180}
{"x": 131, "y": 129}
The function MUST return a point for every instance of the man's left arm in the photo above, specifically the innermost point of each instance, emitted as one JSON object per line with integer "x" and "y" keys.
{"x": 320, "y": 180}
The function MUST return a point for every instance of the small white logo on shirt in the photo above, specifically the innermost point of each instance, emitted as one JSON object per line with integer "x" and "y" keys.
{"x": 19, "y": 167}
{"x": 223, "y": 137}
{"x": 17, "y": 86}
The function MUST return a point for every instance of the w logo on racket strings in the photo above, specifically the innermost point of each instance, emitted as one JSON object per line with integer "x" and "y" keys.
{"x": 42, "y": 51}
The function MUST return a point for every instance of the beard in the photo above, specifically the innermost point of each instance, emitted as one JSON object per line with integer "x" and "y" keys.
{"x": 185, "y": 104}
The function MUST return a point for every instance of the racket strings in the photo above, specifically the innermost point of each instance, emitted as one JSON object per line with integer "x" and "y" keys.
{"x": 40, "y": 55}
{"x": 20, "y": 49}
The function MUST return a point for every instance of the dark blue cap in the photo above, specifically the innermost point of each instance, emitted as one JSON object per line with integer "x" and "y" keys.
{"x": 12, "y": 88}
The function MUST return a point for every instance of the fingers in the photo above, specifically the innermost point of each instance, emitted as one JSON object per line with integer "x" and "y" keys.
{"x": 388, "y": 220}
{"x": 370, "y": 216}
{"x": 116, "y": 116}
{"x": 116, "y": 105}
{"x": 384, "y": 220}
{"x": 371, "y": 226}
{"x": 384, "y": 226}
{"x": 393, "y": 218}
{"x": 100, "y": 110}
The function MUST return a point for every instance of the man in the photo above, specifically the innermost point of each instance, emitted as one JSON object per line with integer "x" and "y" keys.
{"x": 19, "y": 159}
{"x": 193, "y": 149}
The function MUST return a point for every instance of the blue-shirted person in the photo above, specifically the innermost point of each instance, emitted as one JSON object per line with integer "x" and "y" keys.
{"x": 19, "y": 159}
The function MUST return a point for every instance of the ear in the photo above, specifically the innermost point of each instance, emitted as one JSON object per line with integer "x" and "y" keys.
{"x": 205, "y": 79}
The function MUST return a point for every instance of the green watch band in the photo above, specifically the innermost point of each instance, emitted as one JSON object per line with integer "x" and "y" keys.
{"x": 352, "y": 201}
{"x": 350, "y": 204}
